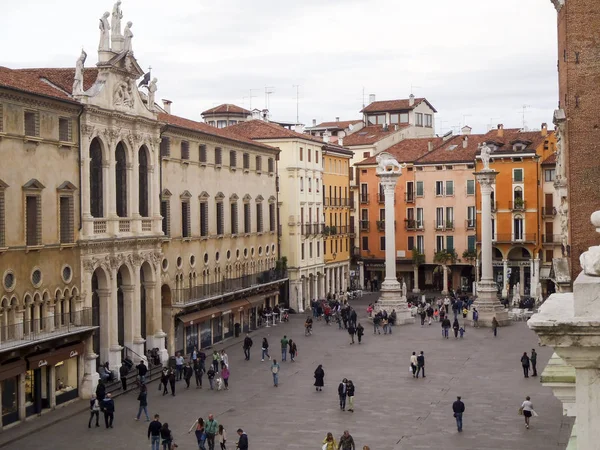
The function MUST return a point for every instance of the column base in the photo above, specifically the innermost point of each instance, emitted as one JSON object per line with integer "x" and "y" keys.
{"x": 416, "y": 291}
{"x": 393, "y": 300}
{"x": 158, "y": 341}
{"x": 89, "y": 384}
{"x": 488, "y": 306}
{"x": 114, "y": 358}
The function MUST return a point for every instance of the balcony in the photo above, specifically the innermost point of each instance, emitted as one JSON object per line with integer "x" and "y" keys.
{"x": 510, "y": 238}
{"x": 439, "y": 225}
{"x": 470, "y": 224}
{"x": 553, "y": 239}
{"x": 409, "y": 197}
{"x": 24, "y": 333}
{"x": 229, "y": 286}
{"x": 318, "y": 228}
{"x": 548, "y": 212}
{"x": 351, "y": 230}
{"x": 339, "y": 202}
{"x": 517, "y": 205}
{"x": 410, "y": 224}
{"x": 306, "y": 229}
{"x": 364, "y": 225}
{"x": 351, "y": 201}
{"x": 364, "y": 198}
{"x": 381, "y": 225}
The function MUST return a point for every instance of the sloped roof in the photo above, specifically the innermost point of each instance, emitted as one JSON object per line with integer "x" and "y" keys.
{"x": 227, "y": 108}
{"x": 454, "y": 151}
{"x": 516, "y": 135}
{"x": 260, "y": 129}
{"x": 370, "y": 135}
{"x": 395, "y": 105}
{"x": 406, "y": 151}
{"x": 550, "y": 160}
{"x": 341, "y": 124}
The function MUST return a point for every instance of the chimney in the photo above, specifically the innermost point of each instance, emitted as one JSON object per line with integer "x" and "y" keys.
{"x": 340, "y": 141}
{"x": 465, "y": 141}
{"x": 429, "y": 146}
{"x": 326, "y": 136}
{"x": 337, "y": 119}
{"x": 371, "y": 98}
{"x": 299, "y": 128}
{"x": 466, "y": 130}
{"x": 314, "y": 122}
{"x": 167, "y": 105}
{"x": 411, "y": 100}
{"x": 544, "y": 129}
{"x": 256, "y": 114}
{"x": 500, "y": 130}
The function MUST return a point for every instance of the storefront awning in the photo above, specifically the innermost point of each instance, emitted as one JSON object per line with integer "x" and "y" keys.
{"x": 55, "y": 356}
{"x": 12, "y": 369}
{"x": 233, "y": 306}
{"x": 197, "y": 316}
{"x": 257, "y": 300}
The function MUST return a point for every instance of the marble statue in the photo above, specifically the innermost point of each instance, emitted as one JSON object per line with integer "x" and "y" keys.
{"x": 564, "y": 226}
{"x": 539, "y": 298}
{"x": 104, "y": 32}
{"x": 560, "y": 156}
{"x": 151, "y": 93}
{"x": 123, "y": 95}
{"x": 78, "y": 80}
{"x": 128, "y": 35}
{"x": 516, "y": 294}
{"x": 403, "y": 288}
{"x": 387, "y": 163}
{"x": 485, "y": 156}
{"x": 117, "y": 15}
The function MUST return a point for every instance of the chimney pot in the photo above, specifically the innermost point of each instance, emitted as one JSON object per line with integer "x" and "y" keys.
{"x": 167, "y": 105}
{"x": 314, "y": 122}
{"x": 411, "y": 100}
{"x": 429, "y": 146}
{"x": 544, "y": 129}
{"x": 465, "y": 141}
{"x": 500, "y": 130}
{"x": 371, "y": 98}
{"x": 337, "y": 119}
{"x": 326, "y": 136}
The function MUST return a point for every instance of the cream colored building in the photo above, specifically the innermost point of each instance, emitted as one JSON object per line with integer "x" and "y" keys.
{"x": 300, "y": 170}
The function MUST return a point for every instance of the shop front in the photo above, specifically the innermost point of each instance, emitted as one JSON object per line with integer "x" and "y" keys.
{"x": 9, "y": 390}
{"x": 199, "y": 329}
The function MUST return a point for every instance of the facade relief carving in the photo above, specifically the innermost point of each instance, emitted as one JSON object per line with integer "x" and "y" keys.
{"x": 123, "y": 94}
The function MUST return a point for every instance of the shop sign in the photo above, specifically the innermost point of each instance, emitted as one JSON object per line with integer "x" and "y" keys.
{"x": 42, "y": 363}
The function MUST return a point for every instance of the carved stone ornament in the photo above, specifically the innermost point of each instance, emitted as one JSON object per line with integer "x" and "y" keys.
{"x": 123, "y": 95}
{"x": 89, "y": 265}
{"x": 111, "y": 135}
{"x": 590, "y": 260}
{"x": 386, "y": 163}
{"x": 88, "y": 130}
{"x": 485, "y": 156}
{"x": 558, "y": 4}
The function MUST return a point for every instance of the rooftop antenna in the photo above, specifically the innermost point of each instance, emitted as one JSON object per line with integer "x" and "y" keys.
{"x": 441, "y": 122}
{"x": 464, "y": 122}
{"x": 267, "y": 93}
{"x": 414, "y": 87}
{"x": 524, "y": 108}
{"x": 297, "y": 86}
{"x": 491, "y": 124}
{"x": 250, "y": 97}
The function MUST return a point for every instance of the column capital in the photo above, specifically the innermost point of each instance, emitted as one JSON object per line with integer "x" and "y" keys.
{"x": 486, "y": 179}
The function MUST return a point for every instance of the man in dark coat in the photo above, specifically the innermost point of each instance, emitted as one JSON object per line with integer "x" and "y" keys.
{"x": 243, "y": 440}
{"x": 342, "y": 394}
{"x": 525, "y": 364}
{"x": 247, "y": 345}
{"x": 353, "y": 318}
{"x": 109, "y": 411}
{"x": 421, "y": 364}
{"x": 458, "y": 407}
{"x": 533, "y": 360}
{"x": 123, "y": 371}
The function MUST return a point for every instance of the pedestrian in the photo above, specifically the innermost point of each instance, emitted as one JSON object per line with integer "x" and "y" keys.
{"x": 392, "y": 320}
{"x": 179, "y": 360}
{"x": 198, "y": 374}
{"x": 413, "y": 364}
{"x": 458, "y": 407}
{"x": 319, "y": 378}
{"x": 533, "y": 360}
{"x": 108, "y": 406}
{"x": 166, "y": 436}
{"x": 194, "y": 355}
{"x": 346, "y": 442}
{"x": 216, "y": 360}
{"x": 360, "y": 331}
{"x": 247, "y": 346}
{"x": 342, "y": 394}
{"x": 455, "y": 327}
{"x": 527, "y": 410}
{"x": 211, "y": 376}
{"x": 265, "y": 349}
{"x": 222, "y": 437}
{"x": 436, "y": 315}
{"x": 525, "y": 364}
{"x": 275, "y": 372}
{"x": 329, "y": 442}
{"x": 350, "y": 390}
{"x": 94, "y": 410}
{"x": 172, "y": 380}
{"x": 187, "y": 374}
{"x": 225, "y": 374}
{"x": 198, "y": 427}
{"x": 421, "y": 364}
{"x": 210, "y": 429}
{"x": 224, "y": 358}
{"x": 164, "y": 380}
{"x": 142, "y": 370}
{"x": 421, "y": 313}
{"x": 445, "y": 327}
{"x": 143, "y": 399}
{"x": 351, "y": 332}
{"x": 293, "y": 350}
{"x": 154, "y": 432}
{"x": 461, "y": 331}
{"x": 353, "y": 317}
{"x": 475, "y": 318}
{"x": 284, "y": 345}
{"x": 100, "y": 392}
{"x": 242, "y": 440}
{"x": 495, "y": 326}
{"x": 442, "y": 313}
{"x": 429, "y": 312}
{"x": 384, "y": 324}
{"x": 376, "y": 322}
{"x": 123, "y": 371}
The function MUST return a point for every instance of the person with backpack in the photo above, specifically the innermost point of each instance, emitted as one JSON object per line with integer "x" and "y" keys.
{"x": 275, "y": 371}
{"x": 247, "y": 346}
{"x": 94, "y": 410}
{"x": 293, "y": 350}
{"x": 143, "y": 399}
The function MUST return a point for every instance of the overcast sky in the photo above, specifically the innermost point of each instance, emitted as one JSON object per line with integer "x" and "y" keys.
{"x": 476, "y": 61}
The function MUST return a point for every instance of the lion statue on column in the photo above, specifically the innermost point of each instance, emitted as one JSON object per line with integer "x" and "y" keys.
{"x": 386, "y": 163}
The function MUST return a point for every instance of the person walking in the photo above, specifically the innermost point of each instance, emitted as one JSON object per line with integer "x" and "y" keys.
{"x": 222, "y": 437}
{"x": 224, "y": 358}
{"x": 154, "y": 432}
{"x": 284, "y": 344}
{"x": 351, "y": 332}
{"x": 164, "y": 380}
{"x": 342, "y": 394}
{"x": 350, "y": 390}
{"x": 458, "y": 407}
{"x": 429, "y": 312}
{"x": 475, "y": 318}
{"x": 94, "y": 411}
{"x": 247, "y": 346}
{"x": 525, "y": 364}
{"x": 225, "y": 375}
{"x": 421, "y": 364}
{"x": 293, "y": 350}
{"x": 100, "y": 391}
{"x": 495, "y": 326}
{"x": 172, "y": 381}
{"x": 211, "y": 428}
{"x": 455, "y": 327}
{"x": 265, "y": 349}
{"x": 198, "y": 427}
{"x": 353, "y": 317}
{"x": 198, "y": 374}
{"x": 211, "y": 377}
{"x": 533, "y": 360}
{"x": 329, "y": 443}
{"x": 346, "y": 442}
{"x": 445, "y": 327}
{"x": 179, "y": 360}
{"x": 108, "y": 405}
{"x": 413, "y": 364}
{"x": 187, "y": 375}
{"x": 167, "y": 436}
{"x": 142, "y": 370}
{"x": 242, "y": 440}
{"x": 360, "y": 331}
{"x": 528, "y": 411}
{"x": 123, "y": 371}
{"x": 421, "y": 313}
{"x": 216, "y": 359}
{"x": 143, "y": 399}
{"x": 275, "y": 372}
{"x": 319, "y": 378}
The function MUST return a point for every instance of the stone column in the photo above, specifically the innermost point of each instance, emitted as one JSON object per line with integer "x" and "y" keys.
{"x": 90, "y": 374}
{"x": 84, "y": 189}
{"x": 361, "y": 274}
{"x": 504, "y": 278}
{"x": 535, "y": 277}
{"x": 114, "y": 354}
{"x": 52, "y": 386}
{"x": 487, "y": 300}
{"x": 21, "y": 395}
{"x": 299, "y": 296}
{"x": 522, "y": 280}
{"x": 322, "y": 285}
{"x": 316, "y": 286}
{"x": 388, "y": 171}
{"x": 416, "y": 289}
{"x": 445, "y": 278}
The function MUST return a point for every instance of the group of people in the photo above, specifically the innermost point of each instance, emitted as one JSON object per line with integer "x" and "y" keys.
{"x": 346, "y": 390}
{"x": 529, "y": 362}
{"x": 381, "y": 319}
{"x": 346, "y": 442}
{"x": 210, "y": 431}
{"x": 526, "y": 410}
{"x": 417, "y": 364}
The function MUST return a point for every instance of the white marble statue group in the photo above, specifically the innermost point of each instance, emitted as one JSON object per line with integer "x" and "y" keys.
{"x": 386, "y": 163}
{"x": 114, "y": 27}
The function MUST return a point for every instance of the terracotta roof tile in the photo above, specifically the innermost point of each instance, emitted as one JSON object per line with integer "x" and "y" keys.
{"x": 227, "y": 108}
{"x": 550, "y": 160}
{"x": 63, "y": 77}
{"x": 406, "y": 151}
{"x": 259, "y": 129}
{"x": 341, "y": 124}
{"x": 454, "y": 150}
{"x": 370, "y": 135}
{"x": 534, "y": 138}
{"x": 394, "y": 105}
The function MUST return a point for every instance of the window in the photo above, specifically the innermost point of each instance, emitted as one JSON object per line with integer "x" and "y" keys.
{"x": 165, "y": 212}
{"x": 202, "y": 153}
{"x": 420, "y": 221}
{"x": 259, "y": 218}
{"x": 365, "y": 243}
{"x": 549, "y": 255}
{"x": 439, "y": 218}
{"x": 66, "y": 215}
{"x": 302, "y": 251}
{"x": 96, "y": 180}
{"x": 185, "y": 219}
{"x": 449, "y": 188}
{"x": 143, "y": 180}
{"x": 429, "y": 120}
{"x": 518, "y": 228}
{"x": 33, "y": 219}
{"x": 233, "y": 207}
{"x": 421, "y": 244}
{"x": 317, "y": 162}
{"x": 301, "y": 154}
{"x": 309, "y": 153}
{"x": 121, "y": 180}
{"x": 32, "y": 123}
{"x": 420, "y": 189}
{"x": 439, "y": 243}
{"x": 394, "y": 118}
{"x": 310, "y": 250}
{"x": 220, "y": 218}
{"x": 410, "y": 245}
{"x": 309, "y": 184}
{"x": 518, "y": 175}
{"x": 165, "y": 147}
{"x": 272, "y": 216}
{"x": 301, "y": 184}
{"x": 470, "y": 187}
{"x": 419, "y": 119}
{"x": 471, "y": 243}
{"x": 218, "y": 156}
{"x": 259, "y": 164}
{"x": 221, "y": 123}
{"x": 246, "y": 161}
{"x": 439, "y": 188}
{"x": 271, "y": 165}
{"x": 450, "y": 243}
{"x": 403, "y": 117}
{"x": 319, "y": 249}
{"x": 449, "y": 217}
{"x": 203, "y": 218}
{"x": 185, "y": 150}
{"x": 471, "y": 217}
{"x": 382, "y": 243}
{"x": 549, "y": 175}
{"x": 64, "y": 129}
{"x": 232, "y": 159}
{"x": 247, "y": 218}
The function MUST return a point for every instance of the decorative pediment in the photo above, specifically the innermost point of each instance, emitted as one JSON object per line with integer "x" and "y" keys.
{"x": 126, "y": 61}
{"x": 247, "y": 198}
{"x": 259, "y": 198}
{"x": 185, "y": 195}
{"x": 66, "y": 186}
{"x": 233, "y": 198}
{"x": 219, "y": 196}
{"x": 3, "y": 185}
{"x": 204, "y": 195}
{"x": 166, "y": 193}
{"x": 33, "y": 184}
{"x": 272, "y": 199}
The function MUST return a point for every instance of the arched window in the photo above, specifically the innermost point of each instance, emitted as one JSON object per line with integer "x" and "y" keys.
{"x": 121, "y": 180}
{"x": 518, "y": 193}
{"x": 96, "y": 181}
{"x": 143, "y": 181}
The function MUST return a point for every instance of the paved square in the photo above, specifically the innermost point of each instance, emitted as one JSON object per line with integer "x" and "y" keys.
{"x": 393, "y": 410}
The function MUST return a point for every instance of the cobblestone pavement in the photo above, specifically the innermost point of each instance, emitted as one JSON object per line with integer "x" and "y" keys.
{"x": 393, "y": 410}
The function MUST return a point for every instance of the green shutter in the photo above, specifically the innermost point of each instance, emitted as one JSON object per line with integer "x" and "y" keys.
{"x": 420, "y": 188}
{"x": 471, "y": 243}
{"x": 450, "y": 243}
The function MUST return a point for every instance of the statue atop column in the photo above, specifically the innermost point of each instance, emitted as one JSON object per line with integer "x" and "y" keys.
{"x": 127, "y": 34}
{"x": 104, "y": 33}
{"x": 485, "y": 156}
{"x": 117, "y": 15}
{"x": 152, "y": 88}
{"x": 387, "y": 163}
{"x": 78, "y": 80}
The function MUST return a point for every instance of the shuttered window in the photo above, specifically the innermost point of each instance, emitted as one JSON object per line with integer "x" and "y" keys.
{"x": 203, "y": 219}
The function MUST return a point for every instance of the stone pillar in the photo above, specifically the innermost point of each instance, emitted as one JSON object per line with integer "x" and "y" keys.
{"x": 299, "y": 296}
{"x": 388, "y": 171}
{"x": 535, "y": 277}
{"x": 316, "y": 286}
{"x": 21, "y": 395}
{"x": 445, "y": 278}
{"x": 522, "y": 280}
{"x": 109, "y": 206}
{"x": 322, "y": 286}
{"x": 84, "y": 189}
{"x": 416, "y": 289}
{"x": 90, "y": 374}
{"x": 504, "y": 278}
{"x": 114, "y": 354}
{"x": 52, "y": 386}
{"x": 129, "y": 315}
{"x": 361, "y": 274}
{"x": 487, "y": 300}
